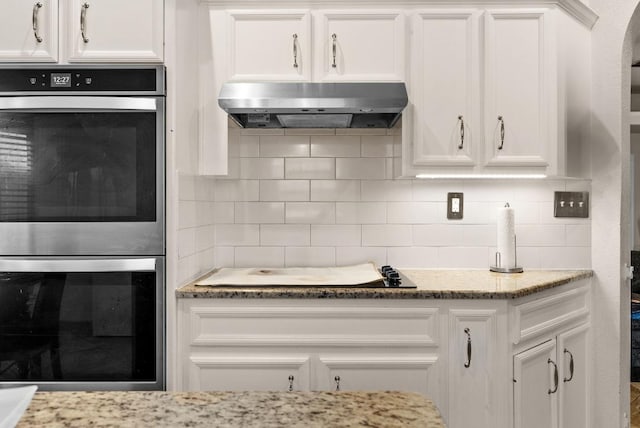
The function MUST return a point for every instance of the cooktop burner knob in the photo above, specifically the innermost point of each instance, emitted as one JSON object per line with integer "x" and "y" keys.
{"x": 385, "y": 269}
{"x": 394, "y": 278}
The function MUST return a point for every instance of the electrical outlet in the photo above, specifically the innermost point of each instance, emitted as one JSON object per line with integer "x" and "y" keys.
{"x": 455, "y": 206}
{"x": 571, "y": 204}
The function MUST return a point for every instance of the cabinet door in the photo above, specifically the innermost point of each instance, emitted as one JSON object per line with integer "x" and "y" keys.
{"x": 444, "y": 87}
{"x": 114, "y": 30}
{"x": 29, "y": 31}
{"x": 375, "y": 372}
{"x": 534, "y": 387}
{"x": 235, "y": 372}
{"x": 472, "y": 368}
{"x": 269, "y": 45}
{"x": 359, "y": 46}
{"x": 573, "y": 354}
{"x": 520, "y": 81}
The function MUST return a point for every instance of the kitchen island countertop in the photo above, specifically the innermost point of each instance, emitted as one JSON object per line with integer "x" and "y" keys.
{"x": 431, "y": 284}
{"x": 230, "y": 409}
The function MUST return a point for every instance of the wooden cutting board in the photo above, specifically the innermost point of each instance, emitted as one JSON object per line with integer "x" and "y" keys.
{"x": 354, "y": 275}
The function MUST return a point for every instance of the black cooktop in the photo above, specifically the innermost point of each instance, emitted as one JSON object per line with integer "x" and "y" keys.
{"x": 393, "y": 278}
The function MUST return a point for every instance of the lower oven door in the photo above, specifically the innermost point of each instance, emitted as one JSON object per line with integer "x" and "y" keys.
{"x": 82, "y": 323}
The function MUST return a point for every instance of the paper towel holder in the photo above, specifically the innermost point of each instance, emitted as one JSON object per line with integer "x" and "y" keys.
{"x": 498, "y": 266}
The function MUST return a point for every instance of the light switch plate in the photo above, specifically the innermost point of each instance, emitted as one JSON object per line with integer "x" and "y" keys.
{"x": 455, "y": 206}
{"x": 571, "y": 204}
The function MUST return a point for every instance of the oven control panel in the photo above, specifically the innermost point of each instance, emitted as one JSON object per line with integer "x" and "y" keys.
{"x": 132, "y": 80}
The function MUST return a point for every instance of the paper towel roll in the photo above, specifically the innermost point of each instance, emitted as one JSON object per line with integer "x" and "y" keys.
{"x": 506, "y": 238}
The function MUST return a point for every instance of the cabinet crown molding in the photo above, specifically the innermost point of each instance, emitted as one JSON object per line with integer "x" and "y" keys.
{"x": 576, "y": 8}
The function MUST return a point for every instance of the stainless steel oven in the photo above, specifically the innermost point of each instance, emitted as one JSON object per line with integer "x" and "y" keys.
{"x": 82, "y": 323}
{"x": 82, "y": 160}
{"x": 82, "y": 221}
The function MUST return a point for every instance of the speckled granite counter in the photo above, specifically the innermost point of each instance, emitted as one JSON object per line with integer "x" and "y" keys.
{"x": 432, "y": 284}
{"x": 230, "y": 409}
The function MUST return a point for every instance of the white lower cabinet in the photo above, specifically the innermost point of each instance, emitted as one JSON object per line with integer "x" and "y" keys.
{"x": 485, "y": 363}
{"x": 551, "y": 382}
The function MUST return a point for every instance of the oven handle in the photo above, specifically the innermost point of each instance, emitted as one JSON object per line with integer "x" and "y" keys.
{"x": 78, "y": 103}
{"x": 83, "y": 265}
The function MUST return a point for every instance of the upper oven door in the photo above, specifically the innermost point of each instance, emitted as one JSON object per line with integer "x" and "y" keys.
{"x": 81, "y": 175}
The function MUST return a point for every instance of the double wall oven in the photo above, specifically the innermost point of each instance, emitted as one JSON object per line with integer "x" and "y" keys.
{"x": 82, "y": 206}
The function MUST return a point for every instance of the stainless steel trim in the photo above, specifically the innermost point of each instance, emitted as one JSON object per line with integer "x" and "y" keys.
{"x": 75, "y": 103}
{"x": 77, "y": 265}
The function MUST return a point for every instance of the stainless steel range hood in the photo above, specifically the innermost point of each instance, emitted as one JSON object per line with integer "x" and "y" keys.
{"x": 314, "y": 105}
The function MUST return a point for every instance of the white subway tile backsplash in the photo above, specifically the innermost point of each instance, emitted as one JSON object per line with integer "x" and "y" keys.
{"x": 387, "y": 235}
{"x": 413, "y": 257}
{"x": 186, "y": 187}
{"x": 355, "y": 255}
{"x": 262, "y": 168}
{"x": 335, "y": 190}
{"x": 361, "y": 212}
{"x": 284, "y": 146}
{"x": 377, "y": 146}
{"x": 336, "y": 235}
{"x": 436, "y": 190}
{"x": 245, "y": 146}
{"x": 454, "y": 235}
{"x": 565, "y": 257}
{"x": 261, "y": 131}
{"x": 361, "y": 131}
{"x": 310, "y": 256}
{"x": 360, "y": 168}
{"x": 225, "y": 257}
{"x": 205, "y": 214}
{"x": 462, "y": 257}
{"x": 205, "y": 238}
{"x": 547, "y": 235}
{"x": 310, "y": 212}
{"x": 237, "y": 234}
{"x": 309, "y": 131}
{"x": 223, "y": 212}
{"x": 186, "y": 214}
{"x": 310, "y": 168}
{"x": 335, "y": 146}
{"x": 237, "y": 190}
{"x": 259, "y": 257}
{"x": 186, "y": 242}
{"x": 414, "y": 212}
{"x": 284, "y": 190}
{"x": 259, "y": 212}
{"x": 285, "y": 235}
{"x": 578, "y": 235}
{"x": 385, "y": 190}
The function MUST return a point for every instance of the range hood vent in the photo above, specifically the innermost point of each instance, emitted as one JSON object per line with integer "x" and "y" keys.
{"x": 314, "y": 105}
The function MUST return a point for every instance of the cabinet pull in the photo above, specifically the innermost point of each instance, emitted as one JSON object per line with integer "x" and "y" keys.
{"x": 555, "y": 377}
{"x": 34, "y": 21}
{"x": 461, "y": 145}
{"x": 501, "y": 133}
{"x": 468, "y": 363}
{"x": 333, "y": 50}
{"x": 291, "y": 383}
{"x": 566, "y": 351}
{"x": 337, "y": 380}
{"x": 83, "y": 22}
{"x": 295, "y": 50}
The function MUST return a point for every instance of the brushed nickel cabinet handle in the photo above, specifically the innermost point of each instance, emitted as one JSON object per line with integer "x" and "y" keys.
{"x": 501, "y": 120}
{"x": 291, "y": 383}
{"x": 333, "y": 49}
{"x": 468, "y": 363}
{"x": 566, "y": 351}
{"x": 295, "y": 51}
{"x": 34, "y": 21}
{"x": 83, "y": 22}
{"x": 555, "y": 377}
{"x": 461, "y": 145}
{"x": 337, "y": 381}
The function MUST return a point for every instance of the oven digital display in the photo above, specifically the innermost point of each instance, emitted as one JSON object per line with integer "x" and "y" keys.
{"x": 60, "y": 80}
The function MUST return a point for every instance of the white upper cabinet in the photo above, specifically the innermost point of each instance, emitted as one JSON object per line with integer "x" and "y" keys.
{"x": 520, "y": 80}
{"x": 444, "y": 89}
{"x": 82, "y": 31}
{"x": 359, "y": 45}
{"x": 29, "y": 31}
{"x": 269, "y": 45}
{"x": 114, "y": 30}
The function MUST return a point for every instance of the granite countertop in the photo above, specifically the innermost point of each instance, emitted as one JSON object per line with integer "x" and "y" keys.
{"x": 230, "y": 409}
{"x": 431, "y": 284}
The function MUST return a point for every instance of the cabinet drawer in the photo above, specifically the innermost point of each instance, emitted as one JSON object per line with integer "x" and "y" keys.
{"x": 304, "y": 325}
{"x": 540, "y": 316}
